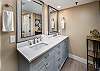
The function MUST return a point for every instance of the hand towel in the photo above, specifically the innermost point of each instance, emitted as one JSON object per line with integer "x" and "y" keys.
{"x": 8, "y": 21}
{"x": 62, "y": 23}
{"x": 52, "y": 23}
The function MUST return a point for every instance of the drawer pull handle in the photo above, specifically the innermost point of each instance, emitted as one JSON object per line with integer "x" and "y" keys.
{"x": 59, "y": 59}
{"x": 46, "y": 64}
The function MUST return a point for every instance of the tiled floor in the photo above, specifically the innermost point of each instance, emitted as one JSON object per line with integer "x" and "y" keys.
{"x": 73, "y": 65}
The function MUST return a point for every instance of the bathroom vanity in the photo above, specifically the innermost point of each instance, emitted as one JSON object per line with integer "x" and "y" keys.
{"x": 50, "y": 53}
{"x": 47, "y": 55}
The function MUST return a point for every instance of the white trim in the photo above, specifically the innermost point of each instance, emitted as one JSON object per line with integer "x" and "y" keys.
{"x": 82, "y": 60}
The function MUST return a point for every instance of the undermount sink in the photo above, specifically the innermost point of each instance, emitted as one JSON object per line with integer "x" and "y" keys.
{"x": 38, "y": 46}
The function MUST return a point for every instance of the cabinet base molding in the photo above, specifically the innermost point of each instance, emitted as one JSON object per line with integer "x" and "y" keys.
{"x": 64, "y": 62}
{"x": 82, "y": 60}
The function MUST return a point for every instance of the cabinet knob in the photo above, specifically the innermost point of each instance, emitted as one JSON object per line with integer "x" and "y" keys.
{"x": 47, "y": 56}
{"x": 59, "y": 59}
{"x": 46, "y": 64}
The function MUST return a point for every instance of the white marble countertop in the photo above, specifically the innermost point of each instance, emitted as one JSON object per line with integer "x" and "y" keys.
{"x": 30, "y": 53}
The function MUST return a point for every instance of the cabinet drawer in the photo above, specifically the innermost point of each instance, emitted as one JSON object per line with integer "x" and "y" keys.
{"x": 42, "y": 68}
{"x": 37, "y": 64}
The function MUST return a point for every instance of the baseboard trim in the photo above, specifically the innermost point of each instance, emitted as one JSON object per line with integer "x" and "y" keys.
{"x": 82, "y": 60}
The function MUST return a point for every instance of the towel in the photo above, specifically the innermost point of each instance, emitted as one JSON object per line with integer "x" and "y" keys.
{"x": 52, "y": 23}
{"x": 62, "y": 23}
{"x": 8, "y": 21}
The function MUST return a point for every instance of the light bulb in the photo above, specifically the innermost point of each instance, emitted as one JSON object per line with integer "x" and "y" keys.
{"x": 58, "y": 7}
{"x": 28, "y": 0}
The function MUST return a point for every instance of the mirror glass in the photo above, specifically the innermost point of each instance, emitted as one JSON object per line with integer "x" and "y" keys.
{"x": 53, "y": 20}
{"x": 31, "y": 15}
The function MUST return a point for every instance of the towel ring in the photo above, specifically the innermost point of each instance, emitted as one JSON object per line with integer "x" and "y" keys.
{"x": 7, "y": 7}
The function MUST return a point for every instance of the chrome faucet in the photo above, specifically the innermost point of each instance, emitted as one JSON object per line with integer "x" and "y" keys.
{"x": 37, "y": 39}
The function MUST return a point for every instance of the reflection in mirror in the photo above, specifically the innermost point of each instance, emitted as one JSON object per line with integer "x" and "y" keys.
{"x": 31, "y": 15}
{"x": 53, "y": 20}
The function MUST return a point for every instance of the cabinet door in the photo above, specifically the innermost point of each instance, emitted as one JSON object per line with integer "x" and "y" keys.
{"x": 66, "y": 49}
{"x": 38, "y": 64}
{"x": 51, "y": 62}
{"x": 58, "y": 56}
{"x": 61, "y": 53}
{"x": 64, "y": 45}
{"x": 58, "y": 51}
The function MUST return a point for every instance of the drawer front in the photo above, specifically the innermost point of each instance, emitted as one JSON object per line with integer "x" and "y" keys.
{"x": 37, "y": 65}
{"x": 42, "y": 68}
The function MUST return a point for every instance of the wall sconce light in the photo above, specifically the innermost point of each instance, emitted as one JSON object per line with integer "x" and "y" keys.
{"x": 76, "y": 2}
{"x": 28, "y": 0}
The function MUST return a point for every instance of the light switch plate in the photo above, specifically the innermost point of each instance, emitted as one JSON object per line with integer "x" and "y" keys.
{"x": 12, "y": 39}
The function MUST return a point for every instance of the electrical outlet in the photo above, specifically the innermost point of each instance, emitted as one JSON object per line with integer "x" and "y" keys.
{"x": 12, "y": 39}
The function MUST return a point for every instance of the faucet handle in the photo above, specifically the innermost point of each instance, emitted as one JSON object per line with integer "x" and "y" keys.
{"x": 40, "y": 38}
{"x": 34, "y": 41}
{"x": 37, "y": 39}
{"x": 30, "y": 43}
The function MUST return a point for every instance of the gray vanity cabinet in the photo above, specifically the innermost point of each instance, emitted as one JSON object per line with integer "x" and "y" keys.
{"x": 52, "y": 60}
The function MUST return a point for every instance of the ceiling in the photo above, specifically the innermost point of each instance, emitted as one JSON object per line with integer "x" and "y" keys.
{"x": 65, "y": 3}
{"x": 31, "y": 7}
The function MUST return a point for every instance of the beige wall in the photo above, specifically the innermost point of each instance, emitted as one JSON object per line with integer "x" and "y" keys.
{"x": 8, "y": 51}
{"x": 0, "y": 36}
{"x": 78, "y": 22}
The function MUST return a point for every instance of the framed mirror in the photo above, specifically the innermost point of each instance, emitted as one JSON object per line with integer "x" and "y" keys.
{"x": 29, "y": 19}
{"x": 31, "y": 15}
{"x": 53, "y": 20}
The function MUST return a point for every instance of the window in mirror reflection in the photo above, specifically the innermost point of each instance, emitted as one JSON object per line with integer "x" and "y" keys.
{"x": 31, "y": 18}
